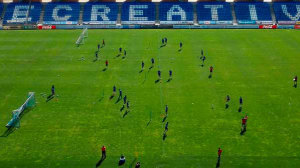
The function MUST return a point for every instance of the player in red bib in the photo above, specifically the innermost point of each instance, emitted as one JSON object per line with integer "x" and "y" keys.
{"x": 244, "y": 124}
{"x": 295, "y": 81}
{"x": 219, "y": 157}
{"x": 103, "y": 152}
{"x": 211, "y": 69}
{"x": 106, "y": 63}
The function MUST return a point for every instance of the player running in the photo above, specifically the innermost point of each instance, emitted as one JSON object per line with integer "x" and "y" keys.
{"x": 125, "y": 53}
{"x": 125, "y": 99}
{"x": 96, "y": 55}
{"x": 203, "y": 59}
{"x": 114, "y": 90}
{"x": 241, "y": 101}
{"x": 166, "y": 127}
{"x": 219, "y": 157}
{"x": 211, "y": 69}
{"x": 120, "y": 50}
{"x": 152, "y": 61}
{"x": 180, "y": 45}
{"x": 170, "y": 74}
{"x": 98, "y": 47}
{"x": 166, "y": 110}
{"x": 120, "y": 94}
{"x": 295, "y": 81}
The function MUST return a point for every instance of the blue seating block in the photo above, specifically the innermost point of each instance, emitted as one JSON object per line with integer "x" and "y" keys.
{"x": 254, "y": 12}
{"x": 62, "y": 13}
{"x": 176, "y": 13}
{"x": 17, "y": 12}
{"x": 214, "y": 13}
{"x": 138, "y": 13}
{"x": 287, "y": 12}
{"x": 100, "y": 13}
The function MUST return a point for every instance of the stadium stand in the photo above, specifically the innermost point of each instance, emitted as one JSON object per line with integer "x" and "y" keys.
{"x": 176, "y": 13}
{"x": 138, "y": 13}
{"x": 253, "y": 13}
{"x": 1, "y": 10}
{"x": 100, "y": 13}
{"x": 214, "y": 13}
{"x": 287, "y": 12}
{"x": 62, "y": 13}
{"x": 16, "y": 13}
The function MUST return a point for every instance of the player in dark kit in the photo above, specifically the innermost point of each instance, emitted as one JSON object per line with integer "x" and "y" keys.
{"x": 127, "y": 104}
{"x": 143, "y": 64}
{"x": 201, "y": 52}
{"x": 227, "y": 101}
{"x": 98, "y": 47}
{"x": 125, "y": 98}
{"x": 152, "y": 61}
{"x": 52, "y": 90}
{"x": 96, "y": 55}
{"x": 166, "y": 110}
{"x": 170, "y": 74}
{"x": 125, "y": 53}
{"x": 120, "y": 49}
{"x": 211, "y": 69}
{"x": 114, "y": 90}
{"x": 241, "y": 101}
{"x": 163, "y": 41}
{"x": 103, "y": 43}
{"x": 203, "y": 59}
{"x": 295, "y": 81}
{"x": 180, "y": 45}
{"x": 159, "y": 74}
{"x": 166, "y": 127}
{"x": 166, "y": 40}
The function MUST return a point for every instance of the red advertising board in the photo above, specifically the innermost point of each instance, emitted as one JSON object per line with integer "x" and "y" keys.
{"x": 297, "y": 26}
{"x": 41, "y": 27}
{"x": 268, "y": 26}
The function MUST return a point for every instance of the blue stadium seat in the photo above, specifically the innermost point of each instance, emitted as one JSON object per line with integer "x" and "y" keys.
{"x": 214, "y": 13}
{"x": 287, "y": 12}
{"x": 176, "y": 13}
{"x": 17, "y": 12}
{"x": 252, "y": 13}
{"x": 62, "y": 13}
{"x": 100, "y": 13}
{"x": 138, "y": 13}
{"x": 1, "y": 9}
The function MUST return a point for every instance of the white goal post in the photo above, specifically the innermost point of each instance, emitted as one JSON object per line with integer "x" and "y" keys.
{"x": 82, "y": 36}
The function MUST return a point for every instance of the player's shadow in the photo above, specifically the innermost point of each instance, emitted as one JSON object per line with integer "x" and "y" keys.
{"x": 141, "y": 71}
{"x": 50, "y": 97}
{"x": 209, "y": 76}
{"x": 132, "y": 163}
{"x": 118, "y": 55}
{"x": 125, "y": 114}
{"x": 165, "y": 118}
{"x": 119, "y": 98}
{"x": 157, "y": 80}
{"x": 122, "y": 108}
{"x": 180, "y": 50}
{"x": 164, "y": 136}
{"x": 202, "y": 65}
{"x": 240, "y": 109}
{"x": 111, "y": 97}
{"x": 104, "y": 69}
{"x": 295, "y": 85}
{"x": 151, "y": 67}
{"x": 8, "y": 132}
{"x": 100, "y": 161}
{"x": 148, "y": 122}
{"x": 218, "y": 163}
{"x": 95, "y": 60}
{"x": 123, "y": 57}
{"x": 169, "y": 80}
{"x": 163, "y": 45}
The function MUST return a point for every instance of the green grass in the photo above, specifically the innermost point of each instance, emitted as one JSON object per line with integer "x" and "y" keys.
{"x": 69, "y": 130}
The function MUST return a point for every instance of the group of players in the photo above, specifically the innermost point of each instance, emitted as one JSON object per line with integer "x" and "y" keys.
{"x": 211, "y": 68}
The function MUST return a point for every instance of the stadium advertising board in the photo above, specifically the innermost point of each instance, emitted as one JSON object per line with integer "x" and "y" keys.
{"x": 176, "y": 13}
{"x": 138, "y": 13}
{"x": 247, "y": 22}
{"x": 297, "y": 27}
{"x": 286, "y": 22}
{"x": 47, "y": 27}
{"x": 100, "y": 13}
{"x": 267, "y": 27}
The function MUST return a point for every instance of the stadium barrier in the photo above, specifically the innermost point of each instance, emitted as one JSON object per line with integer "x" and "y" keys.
{"x": 267, "y": 26}
{"x": 297, "y": 27}
{"x": 47, "y": 27}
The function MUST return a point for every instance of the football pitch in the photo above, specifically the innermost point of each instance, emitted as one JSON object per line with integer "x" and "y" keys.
{"x": 70, "y": 129}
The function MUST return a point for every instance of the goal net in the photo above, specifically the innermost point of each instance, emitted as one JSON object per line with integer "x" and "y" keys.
{"x": 82, "y": 36}
{"x": 15, "y": 121}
